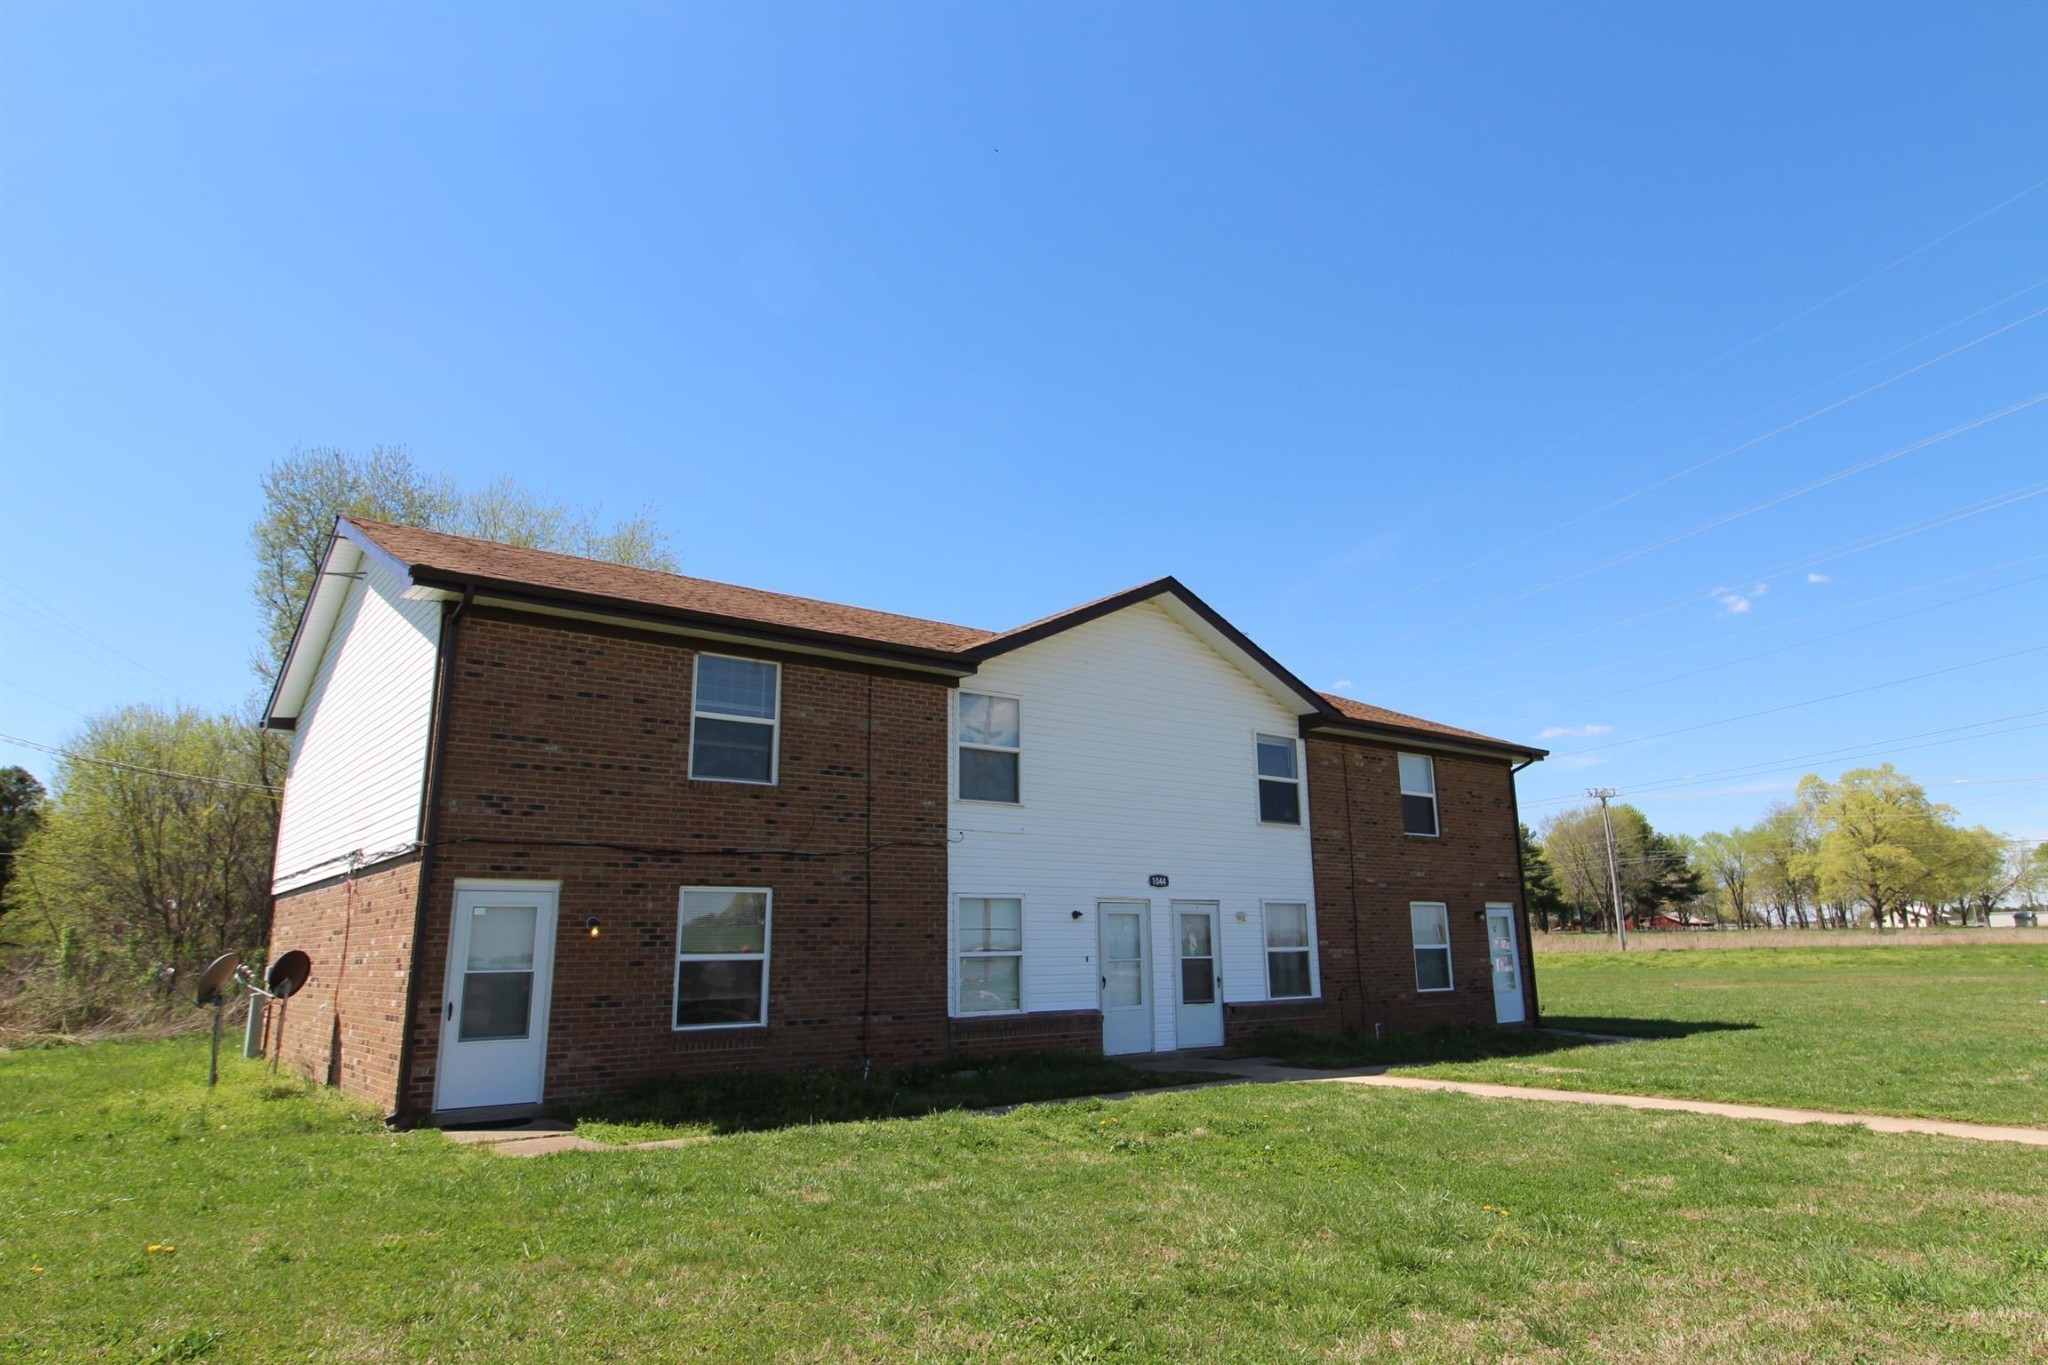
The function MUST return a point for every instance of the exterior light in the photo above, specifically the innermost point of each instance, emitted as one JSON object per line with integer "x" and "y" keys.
{"x": 592, "y": 926}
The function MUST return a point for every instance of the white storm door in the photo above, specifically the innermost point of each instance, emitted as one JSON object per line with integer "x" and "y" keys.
{"x": 1126, "y": 976}
{"x": 1508, "y": 1004}
{"x": 1198, "y": 1004}
{"x": 494, "y": 1024}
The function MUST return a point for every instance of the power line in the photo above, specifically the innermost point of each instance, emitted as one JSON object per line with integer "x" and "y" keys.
{"x": 138, "y": 767}
{"x": 1725, "y": 519}
{"x": 1771, "y": 331}
{"x": 1847, "y": 549}
{"x": 1870, "y": 748}
{"x": 1810, "y": 701}
{"x": 1731, "y": 451}
{"x": 1786, "y": 649}
{"x": 42, "y": 607}
{"x": 1762, "y": 629}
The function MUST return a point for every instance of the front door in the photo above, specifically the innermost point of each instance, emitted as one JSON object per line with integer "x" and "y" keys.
{"x": 1198, "y": 1006}
{"x": 1126, "y": 976}
{"x": 494, "y": 1024}
{"x": 1508, "y": 1005}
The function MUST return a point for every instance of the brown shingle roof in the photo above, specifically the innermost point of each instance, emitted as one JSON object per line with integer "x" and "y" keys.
{"x": 1368, "y": 714}
{"x": 459, "y": 560}
{"x": 437, "y": 554}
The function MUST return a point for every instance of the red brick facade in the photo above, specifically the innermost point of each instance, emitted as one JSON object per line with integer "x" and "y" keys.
{"x": 564, "y": 754}
{"x": 567, "y": 758}
{"x": 345, "y": 1026}
{"x": 1367, "y": 872}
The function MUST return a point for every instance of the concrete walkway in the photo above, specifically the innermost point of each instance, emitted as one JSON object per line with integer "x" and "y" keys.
{"x": 545, "y": 1137}
{"x": 1878, "y": 1123}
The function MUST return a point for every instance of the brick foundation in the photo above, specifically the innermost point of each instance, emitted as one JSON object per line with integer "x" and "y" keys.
{"x": 345, "y": 1026}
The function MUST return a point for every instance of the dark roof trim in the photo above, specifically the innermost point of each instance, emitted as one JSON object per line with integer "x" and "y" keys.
{"x": 1418, "y": 738}
{"x": 1145, "y": 592}
{"x": 500, "y": 592}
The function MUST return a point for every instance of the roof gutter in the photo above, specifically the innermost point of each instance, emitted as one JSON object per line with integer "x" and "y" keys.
{"x": 1346, "y": 728}
{"x": 524, "y": 597}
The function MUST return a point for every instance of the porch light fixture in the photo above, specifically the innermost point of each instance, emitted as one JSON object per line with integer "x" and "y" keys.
{"x": 591, "y": 924}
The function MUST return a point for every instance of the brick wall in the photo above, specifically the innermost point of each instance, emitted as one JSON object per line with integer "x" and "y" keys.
{"x": 560, "y": 733}
{"x": 1364, "y": 860}
{"x": 345, "y": 1026}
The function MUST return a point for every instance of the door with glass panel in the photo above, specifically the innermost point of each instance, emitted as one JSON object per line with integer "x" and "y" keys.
{"x": 1508, "y": 1004}
{"x": 1126, "y": 976}
{"x": 1198, "y": 1004}
{"x": 494, "y": 1021}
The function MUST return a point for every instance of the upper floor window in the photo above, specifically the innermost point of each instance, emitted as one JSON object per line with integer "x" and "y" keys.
{"x": 721, "y": 957}
{"x": 990, "y": 745}
{"x": 1279, "y": 781}
{"x": 733, "y": 719}
{"x": 1418, "y": 794}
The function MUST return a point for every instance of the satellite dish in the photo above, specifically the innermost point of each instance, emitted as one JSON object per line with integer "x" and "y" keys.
{"x": 288, "y": 974}
{"x": 217, "y": 974}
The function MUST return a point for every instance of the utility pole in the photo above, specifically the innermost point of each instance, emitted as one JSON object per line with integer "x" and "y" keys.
{"x": 1601, "y": 794}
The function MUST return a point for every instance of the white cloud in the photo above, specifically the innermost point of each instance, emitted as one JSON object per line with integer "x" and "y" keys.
{"x": 1736, "y": 603}
{"x": 1343, "y": 683}
{"x": 1818, "y": 578}
{"x": 1573, "y": 731}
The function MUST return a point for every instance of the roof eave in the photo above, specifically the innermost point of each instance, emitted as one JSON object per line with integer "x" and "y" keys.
{"x": 1415, "y": 737}
{"x": 1308, "y": 701}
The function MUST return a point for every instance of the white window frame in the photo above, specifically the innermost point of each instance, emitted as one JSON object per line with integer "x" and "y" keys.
{"x": 774, "y": 723}
{"x": 767, "y": 947}
{"x": 1266, "y": 950}
{"x": 1436, "y": 811}
{"x": 1450, "y": 965}
{"x": 1300, "y": 783}
{"x": 960, "y": 954}
{"x": 959, "y": 744}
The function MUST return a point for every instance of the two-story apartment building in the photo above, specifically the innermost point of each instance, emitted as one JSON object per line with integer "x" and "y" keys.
{"x": 552, "y": 826}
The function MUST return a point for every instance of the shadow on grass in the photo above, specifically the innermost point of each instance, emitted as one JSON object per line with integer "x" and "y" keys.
{"x": 1347, "y": 1051}
{"x": 739, "y": 1104}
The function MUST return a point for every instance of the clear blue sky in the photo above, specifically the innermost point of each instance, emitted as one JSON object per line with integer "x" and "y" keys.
{"x": 978, "y": 311}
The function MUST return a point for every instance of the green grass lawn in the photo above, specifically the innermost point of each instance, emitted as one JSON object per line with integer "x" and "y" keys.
{"x": 1243, "y": 1223}
{"x": 1957, "y": 1031}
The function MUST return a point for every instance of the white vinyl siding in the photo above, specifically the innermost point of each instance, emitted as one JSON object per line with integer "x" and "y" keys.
{"x": 1140, "y": 754}
{"x": 359, "y": 752}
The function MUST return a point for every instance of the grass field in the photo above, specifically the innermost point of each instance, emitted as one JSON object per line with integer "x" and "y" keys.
{"x": 1954, "y": 1032}
{"x": 142, "y": 1219}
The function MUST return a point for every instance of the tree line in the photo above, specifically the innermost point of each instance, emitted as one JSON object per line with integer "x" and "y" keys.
{"x": 1869, "y": 849}
{"x": 151, "y": 850}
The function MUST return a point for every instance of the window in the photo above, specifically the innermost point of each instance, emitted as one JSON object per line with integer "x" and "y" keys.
{"x": 989, "y": 745}
{"x": 1418, "y": 794}
{"x": 721, "y": 957}
{"x": 991, "y": 938}
{"x": 1431, "y": 925}
{"x": 732, "y": 725}
{"x": 1279, "y": 781}
{"x": 1289, "y": 973}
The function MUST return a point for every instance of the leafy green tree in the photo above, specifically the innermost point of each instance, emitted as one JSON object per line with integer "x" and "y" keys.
{"x": 1540, "y": 891}
{"x": 1786, "y": 849}
{"x": 304, "y": 492}
{"x": 1880, "y": 839}
{"x": 1655, "y": 869}
{"x": 1732, "y": 862}
{"x": 155, "y": 847}
{"x": 21, "y": 811}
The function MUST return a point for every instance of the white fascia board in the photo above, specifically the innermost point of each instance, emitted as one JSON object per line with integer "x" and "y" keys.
{"x": 337, "y": 574}
{"x": 1198, "y": 625}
